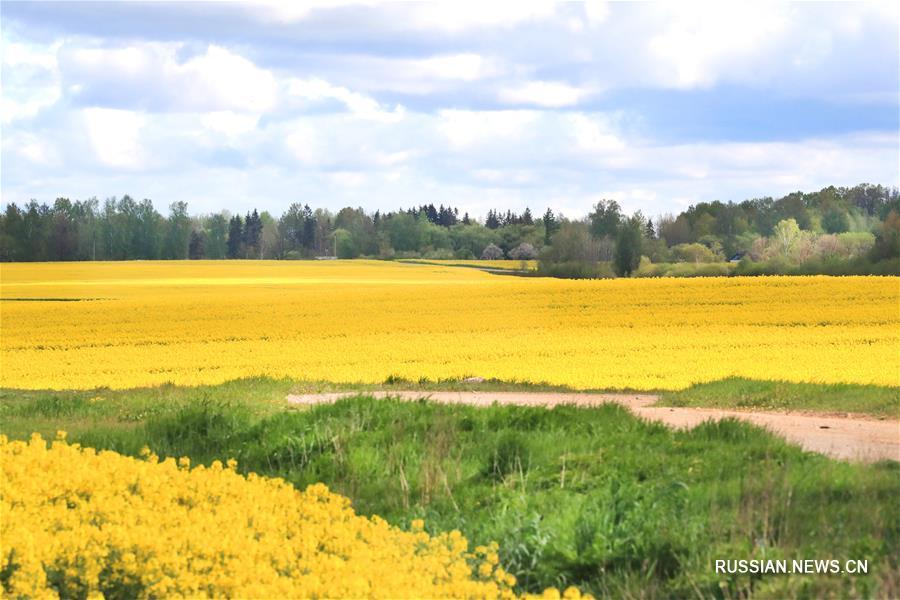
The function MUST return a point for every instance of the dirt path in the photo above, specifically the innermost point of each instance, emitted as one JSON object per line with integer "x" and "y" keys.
{"x": 852, "y": 438}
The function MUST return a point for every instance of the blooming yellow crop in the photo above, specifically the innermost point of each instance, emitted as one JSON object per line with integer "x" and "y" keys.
{"x": 147, "y": 323}
{"x": 81, "y": 523}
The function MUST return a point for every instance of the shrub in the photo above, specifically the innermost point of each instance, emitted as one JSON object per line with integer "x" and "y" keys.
{"x": 575, "y": 270}
{"x": 523, "y": 251}
{"x": 492, "y": 252}
{"x": 695, "y": 253}
{"x": 439, "y": 254}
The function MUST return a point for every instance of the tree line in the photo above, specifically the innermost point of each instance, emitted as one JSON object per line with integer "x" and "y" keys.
{"x": 833, "y": 220}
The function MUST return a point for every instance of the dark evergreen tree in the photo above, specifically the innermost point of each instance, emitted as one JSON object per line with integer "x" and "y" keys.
{"x": 550, "y": 225}
{"x": 309, "y": 228}
{"x": 252, "y": 234}
{"x": 235, "y": 237}
{"x": 196, "y": 245}
{"x": 527, "y": 219}
{"x": 63, "y": 232}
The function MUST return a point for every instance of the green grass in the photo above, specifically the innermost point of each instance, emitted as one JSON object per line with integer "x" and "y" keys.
{"x": 780, "y": 396}
{"x": 591, "y": 497}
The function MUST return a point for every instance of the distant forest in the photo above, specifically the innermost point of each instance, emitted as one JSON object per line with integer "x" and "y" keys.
{"x": 833, "y": 223}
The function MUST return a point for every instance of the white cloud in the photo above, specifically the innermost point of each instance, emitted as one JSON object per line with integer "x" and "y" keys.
{"x": 34, "y": 149}
{"x": 464, "y": 127}
{"x": 17, "y": 54}
{"x": 30, "y": 81}
{"x": 359, "y": 105}
{"x": 218, "y": 79}
{"x": 460, "y": 15}
{"x": 551, "y": 94}
{"x": 596, "y": 11}
{"x": 463, "y": 67}
{"x": 229, "y": 123}
{"x": 594, "y": 134}
{"x": 115, "y": 137}
{"x": 699, "y": 41}
{"x": 226, "y": 79}
{"x": 461, "y": 103}
{"x": 445, "y": 16}
{"x": 303, "y": 143}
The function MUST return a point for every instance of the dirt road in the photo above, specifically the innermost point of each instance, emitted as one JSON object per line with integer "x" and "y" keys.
{"x": 851, "y": 438}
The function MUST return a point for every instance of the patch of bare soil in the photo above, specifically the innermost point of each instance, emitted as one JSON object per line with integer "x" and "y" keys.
{"x": 844, "y": 437}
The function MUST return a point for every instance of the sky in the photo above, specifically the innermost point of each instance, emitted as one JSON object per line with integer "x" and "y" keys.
{"x": 478, "y": 105}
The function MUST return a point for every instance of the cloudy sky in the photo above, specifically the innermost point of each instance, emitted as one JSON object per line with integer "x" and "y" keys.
{"x": 475, "y": 104}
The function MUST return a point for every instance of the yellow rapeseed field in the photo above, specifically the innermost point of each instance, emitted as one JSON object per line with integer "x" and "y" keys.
{"x": 81, "y": 523}
{"x": 147, "y": 323}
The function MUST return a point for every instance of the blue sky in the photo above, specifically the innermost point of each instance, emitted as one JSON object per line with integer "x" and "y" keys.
{"x": 479, "y": 105}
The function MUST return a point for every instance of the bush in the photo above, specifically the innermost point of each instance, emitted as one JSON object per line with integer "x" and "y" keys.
{"x": 856, "y": 266}
{"x": 695, "y": 253}
{"x": 439, "y": 254}
{"x": 523, "y": 251}
{"x": 718, "y": 269}
{"x": 492, "y": 252}
{"x": 574, "y": 270}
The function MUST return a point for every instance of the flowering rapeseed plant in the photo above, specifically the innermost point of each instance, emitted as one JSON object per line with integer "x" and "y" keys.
{"x": 79, "y": 522}
{"x": 197, "y": 323}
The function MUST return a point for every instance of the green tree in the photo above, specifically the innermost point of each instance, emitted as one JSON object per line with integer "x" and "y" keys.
{"x": 605, "y": 218}
{"x": 551, "y": 225}
{"x": 344, "y": 244}
{"x": 406, "y": 232}
{"x": 196, "y": 245}
{"x": 178, "y": 236}
{"x": 235, "y": 237}
{"x": 887, "y": 242}
{"x": 217, "y": 236}
{"x": 835, "y": 220}
{"x": 786, "y": 233}
{"x": 252, "y": 235}
{"x": 628, "y": 246}
{"x": 63, "y": 235}
{"x": 11, "y": 234}
{"x": 572, "y": 243}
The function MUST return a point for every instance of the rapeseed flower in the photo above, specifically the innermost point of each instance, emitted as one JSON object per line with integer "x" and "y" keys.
{"x": 81, "y": 522}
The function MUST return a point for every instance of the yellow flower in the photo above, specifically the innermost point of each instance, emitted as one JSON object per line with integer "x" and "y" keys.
{"x": 99, "y": 521}
{"x": 290, "y": 318}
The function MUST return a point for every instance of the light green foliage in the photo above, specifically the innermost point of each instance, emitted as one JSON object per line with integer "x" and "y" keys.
{"x": 694, "y": 253}
{"x": 786, "y": 233}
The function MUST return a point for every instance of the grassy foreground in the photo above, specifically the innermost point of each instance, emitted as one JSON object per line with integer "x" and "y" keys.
{"x": 747, "y": 394}
{"x": 591, "y": 497}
